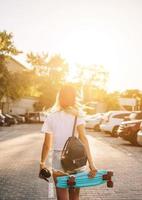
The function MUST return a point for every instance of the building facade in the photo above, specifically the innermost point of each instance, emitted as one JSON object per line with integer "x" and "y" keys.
{"x": 20, "y": 106}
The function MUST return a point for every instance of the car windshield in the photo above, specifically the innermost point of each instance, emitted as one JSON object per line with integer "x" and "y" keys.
{"x": 106, "y": 115}
{"x": 8, "y": 115}
{"x": 2, "y": 116}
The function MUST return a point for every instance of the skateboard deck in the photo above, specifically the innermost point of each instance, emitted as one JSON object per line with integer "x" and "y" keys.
{"x": 81, "y": 179}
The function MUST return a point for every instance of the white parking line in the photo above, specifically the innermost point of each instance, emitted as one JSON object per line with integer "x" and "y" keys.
{"x": 51, "y": 193}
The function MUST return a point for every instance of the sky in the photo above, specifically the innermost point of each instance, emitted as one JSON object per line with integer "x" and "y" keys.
{"x": 106, "y": 32}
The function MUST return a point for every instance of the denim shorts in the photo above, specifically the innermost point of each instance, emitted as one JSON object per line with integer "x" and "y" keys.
{"x": 56, "y": 162}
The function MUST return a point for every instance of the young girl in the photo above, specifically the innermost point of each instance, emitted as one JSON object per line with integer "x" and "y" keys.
{"x": 57, "y": 128}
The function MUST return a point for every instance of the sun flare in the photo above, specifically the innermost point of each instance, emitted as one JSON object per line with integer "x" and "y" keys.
{"x": 88, "y": 47}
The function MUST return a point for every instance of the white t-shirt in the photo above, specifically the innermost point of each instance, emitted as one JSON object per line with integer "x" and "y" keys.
{"x": 60, "y": 124}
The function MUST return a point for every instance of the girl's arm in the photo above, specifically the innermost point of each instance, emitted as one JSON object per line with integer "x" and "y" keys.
{"x": 45, "y": 149}
{"x": 82, "y": 137}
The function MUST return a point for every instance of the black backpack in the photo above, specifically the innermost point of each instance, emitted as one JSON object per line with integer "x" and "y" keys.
{"x": 73, "y": 154}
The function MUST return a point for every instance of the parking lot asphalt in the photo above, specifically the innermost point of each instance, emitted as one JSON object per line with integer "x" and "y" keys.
{"x": 20, "y": 148}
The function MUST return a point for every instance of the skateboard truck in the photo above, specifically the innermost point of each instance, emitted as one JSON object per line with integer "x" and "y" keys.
{"x": 108, "y": 177}
{"x": 71, "y": 181}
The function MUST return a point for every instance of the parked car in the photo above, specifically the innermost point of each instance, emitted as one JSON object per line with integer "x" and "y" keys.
{"x": 6, "y": 120}
{"x": 2, "y": 120}
{"x": 94, "y": 121}
{"x": 128, "y": 130}
{"x": 139, "y": 135}
{"x": 112, "y": 120}
{"x": 32, "y": 117}
{"x": 22, "y": 116}
{"x": 19, "y": 119}
{"x": 135, "y": 115}
{"x": 35, "y": 117}
{"x": 9, "y": 120}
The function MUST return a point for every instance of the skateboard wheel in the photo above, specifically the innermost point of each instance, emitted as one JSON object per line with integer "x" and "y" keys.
{"x": 110, "y": 173}
{"x": 71, "y": 181}
{"x": 110, "y": 184}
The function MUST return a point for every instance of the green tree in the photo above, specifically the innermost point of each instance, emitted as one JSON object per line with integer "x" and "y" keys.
{"x": 131, "y": 93}
{"x": 7, "y": 48}
{"x": 93, "y": 75}
{"x": 112, "y": 101}
{"x": 91, "y": 78}
{"x": 12, "y": 85}
{"x": 38, "y": 62}
{"x": 50, "y": 75}
{"x": 4, "y": 79}
{"x": 58, "y": 69}
{"x": 19, "y": 85}
{"x": 55, "y": 67}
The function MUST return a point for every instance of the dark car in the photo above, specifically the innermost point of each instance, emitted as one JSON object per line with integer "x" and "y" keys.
{"x": 32, "y": 117}
{"x": 2, "y": 120}
{"x": 128, "y": 130}
{"x": 9, "y": 120}
{"x": 19, "y": 119}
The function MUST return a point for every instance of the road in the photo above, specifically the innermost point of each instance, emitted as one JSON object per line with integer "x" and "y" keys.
{"x": 20, "y": 148}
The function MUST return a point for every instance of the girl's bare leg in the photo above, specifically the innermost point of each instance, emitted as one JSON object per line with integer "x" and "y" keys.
{"x": 62, "y": 194}
{"x": 74, "y": 193}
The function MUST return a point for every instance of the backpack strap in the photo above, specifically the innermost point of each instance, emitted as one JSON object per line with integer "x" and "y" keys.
{"x": 73, "y": 131}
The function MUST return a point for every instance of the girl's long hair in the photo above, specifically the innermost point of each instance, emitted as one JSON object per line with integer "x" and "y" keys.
{"x": 68, "y": 101}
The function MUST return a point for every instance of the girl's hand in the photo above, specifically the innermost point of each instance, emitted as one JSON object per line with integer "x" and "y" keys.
{"x": 92, "y": 172}
{"x": 42, "y": 165}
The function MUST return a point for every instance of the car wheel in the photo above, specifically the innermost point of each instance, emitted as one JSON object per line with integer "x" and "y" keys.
{"x": 114, "y": 132}
{"x": 8, "y": 124}
{"x": 127, "y": 134}
{"x": 133, "y": 140}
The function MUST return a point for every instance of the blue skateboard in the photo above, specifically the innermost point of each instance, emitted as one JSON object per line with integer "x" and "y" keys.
{"x": 81, "y": 179}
